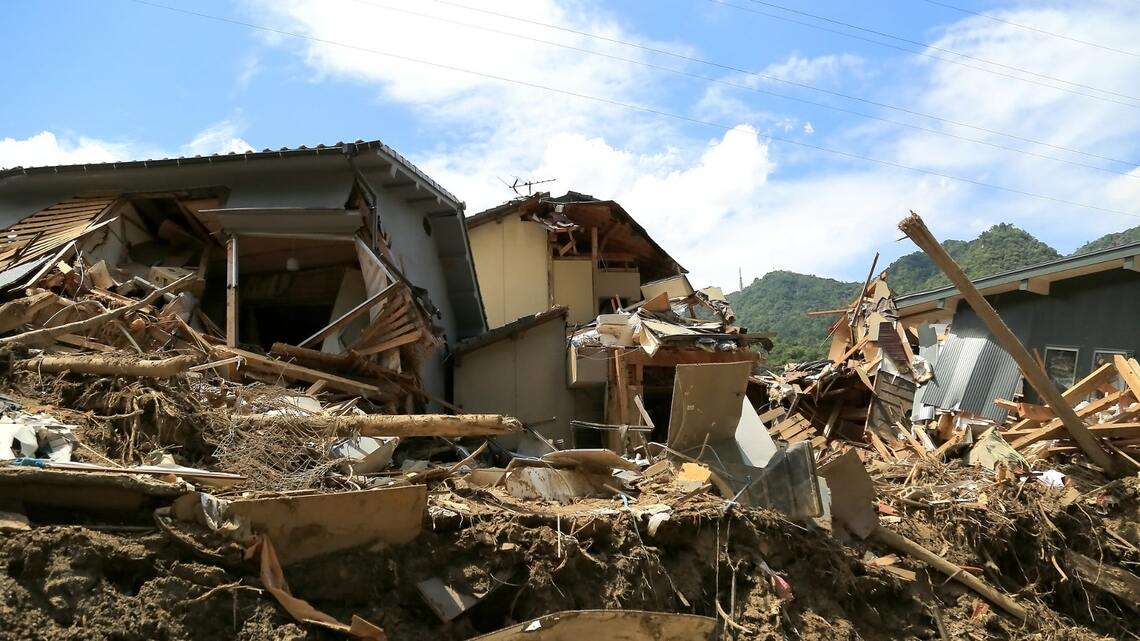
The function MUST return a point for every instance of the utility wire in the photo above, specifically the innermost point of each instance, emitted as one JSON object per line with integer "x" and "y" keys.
{"x": 1032, "y": 28}
{"x": 633, "y": 107}
{"x": 737, "y": 85}
{"x": 757, "y": 74}
{"x": 1134, "y": 105}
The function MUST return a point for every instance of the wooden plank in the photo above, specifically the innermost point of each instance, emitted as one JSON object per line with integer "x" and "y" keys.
{"x": 1103, "y": 430}
{"x": 1129, "y": 372}
{"x": 298, "y": 372}
{"x": 79, "y": 341}
{"x": 1053, "y": 429}
{"x": 877, "y": 443}
{"x": 1090, "y": 383}
{"x": 772, "y": 414}
{"x": 396, "y": 309}
{"x": 392, "y": 344}
{"x": 348, "y": 317}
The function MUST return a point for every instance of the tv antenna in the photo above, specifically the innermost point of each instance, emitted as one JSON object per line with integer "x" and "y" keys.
{"x": 529, "y": 184}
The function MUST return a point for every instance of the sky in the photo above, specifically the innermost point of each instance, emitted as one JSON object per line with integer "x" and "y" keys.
{"x": 746, "y": 136}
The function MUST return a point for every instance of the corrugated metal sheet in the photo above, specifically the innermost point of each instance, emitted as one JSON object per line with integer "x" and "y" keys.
{"x": 969, "y": 373}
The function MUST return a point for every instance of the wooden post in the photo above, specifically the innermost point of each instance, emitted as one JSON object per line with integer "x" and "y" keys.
{"x": 232, "y": 298}
{"x": 913, "y": 227}
{"x": 594, "y": 268}
{"x": 232, "y": 291}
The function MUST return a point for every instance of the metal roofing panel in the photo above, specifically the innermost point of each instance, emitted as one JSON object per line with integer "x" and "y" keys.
{"x": 970, "y": 372}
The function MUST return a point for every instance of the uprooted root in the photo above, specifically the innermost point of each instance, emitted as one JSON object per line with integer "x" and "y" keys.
{"x": 129, "y": 418}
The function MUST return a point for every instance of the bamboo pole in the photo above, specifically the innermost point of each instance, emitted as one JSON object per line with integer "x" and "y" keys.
{"x": 913, "y": 227}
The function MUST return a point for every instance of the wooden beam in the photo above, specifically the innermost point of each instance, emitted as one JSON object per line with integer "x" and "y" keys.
{"x": 349, "y": 316}
{"x": 1120, "y": 583}
{"x": 1074, "y": 394}
{"x": 913, "y": 227}
{"x": 298, "y": 372}
{"x": 1125, "y": 367}
{"x": 402, "y": 425}
{"x": 902, "y": 544}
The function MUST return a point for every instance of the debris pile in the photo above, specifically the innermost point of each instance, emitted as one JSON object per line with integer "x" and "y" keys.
{"x": 161, "y": 480}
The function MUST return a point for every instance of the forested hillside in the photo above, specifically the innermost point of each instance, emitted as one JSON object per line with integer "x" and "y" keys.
{"x": 778, "y": 302}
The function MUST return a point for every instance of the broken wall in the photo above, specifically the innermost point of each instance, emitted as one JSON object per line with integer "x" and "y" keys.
{"x": 511, "y": 261}
{"x": 416, "y": 254}
{"x": 573, "y": 283}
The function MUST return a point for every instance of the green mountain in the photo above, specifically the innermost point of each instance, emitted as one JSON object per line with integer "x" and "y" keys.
{"x": 1110, "y": 240}
{"x": 777, "y": 303}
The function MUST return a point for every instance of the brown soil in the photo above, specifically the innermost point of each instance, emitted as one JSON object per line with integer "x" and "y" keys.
{"x": 70, "y": 582}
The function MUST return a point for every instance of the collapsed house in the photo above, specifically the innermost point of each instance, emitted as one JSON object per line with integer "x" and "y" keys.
{"x": 598, "y": 318}
{"x": 315, "y": 251}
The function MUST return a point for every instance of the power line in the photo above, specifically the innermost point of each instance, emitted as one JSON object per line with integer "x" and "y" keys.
{"x": 932, "y": 56}
{"x": 1128, "y": 163}
{"x": 736, "y": 85}
{"x": 1036, "y": 29}
{"x": 633, "y": 107}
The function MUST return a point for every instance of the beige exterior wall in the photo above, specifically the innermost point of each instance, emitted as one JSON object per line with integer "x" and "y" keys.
{"x": 574, "y": 288}
{"x": 522, "y": 376}
{"x": 625, "y": 284}
{"x": 511, "y": 264}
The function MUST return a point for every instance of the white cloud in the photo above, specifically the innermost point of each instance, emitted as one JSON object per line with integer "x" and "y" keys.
{"x": 218, "y": 138}
{"x": 814, "y": 70}
{"x": 249, "y": 68}
{"x": 808, "y": 128}
{"x": 48, "y": 148}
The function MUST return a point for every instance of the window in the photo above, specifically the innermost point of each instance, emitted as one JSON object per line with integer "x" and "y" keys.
{"x": 1061, "y": 365}
{"x": 1103, "y": 356}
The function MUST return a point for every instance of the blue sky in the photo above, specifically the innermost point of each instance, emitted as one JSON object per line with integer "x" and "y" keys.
{"x": 121, "y": 79}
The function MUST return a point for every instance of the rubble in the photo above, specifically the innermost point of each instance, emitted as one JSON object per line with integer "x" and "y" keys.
{"x": 161, "y": 479}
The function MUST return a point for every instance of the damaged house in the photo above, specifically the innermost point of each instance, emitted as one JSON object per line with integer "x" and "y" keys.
{"x": 1073, "y": 313}
{"x": 591, "y": 318}
{"x": 342, "y": 259}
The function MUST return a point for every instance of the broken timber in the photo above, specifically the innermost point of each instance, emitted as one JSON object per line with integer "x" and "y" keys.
{"x": 396, "y": 425}
{"x": 913, "y": 227}
{"x": 107, "y": 365}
